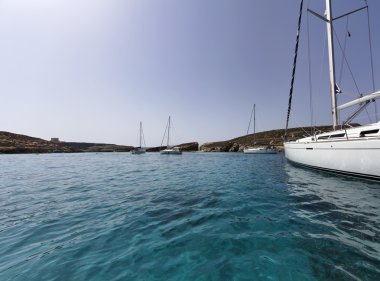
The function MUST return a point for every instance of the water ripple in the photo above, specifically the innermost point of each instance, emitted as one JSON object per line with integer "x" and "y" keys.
{"x": 115, "y": 216}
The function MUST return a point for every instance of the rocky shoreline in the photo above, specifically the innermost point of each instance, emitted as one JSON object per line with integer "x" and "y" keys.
{"x": 11, "y": 143}
{"x": 273, "y": 137}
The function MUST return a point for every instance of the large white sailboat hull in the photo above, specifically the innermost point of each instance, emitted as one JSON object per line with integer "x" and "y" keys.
{"x": 356, "y": 157}
{"x": 351, "y": 150}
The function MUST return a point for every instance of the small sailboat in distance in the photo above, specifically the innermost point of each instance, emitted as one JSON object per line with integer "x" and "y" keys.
{"x": 140, "y": 149}
{"x": 169, "y": 149}
{"x": 269, "y": 149}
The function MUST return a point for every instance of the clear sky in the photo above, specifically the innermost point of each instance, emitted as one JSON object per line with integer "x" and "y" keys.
{"x": 90, "y": 70}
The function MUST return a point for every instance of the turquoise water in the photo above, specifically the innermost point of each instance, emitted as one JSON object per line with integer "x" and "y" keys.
{"x": 197, "y": 216}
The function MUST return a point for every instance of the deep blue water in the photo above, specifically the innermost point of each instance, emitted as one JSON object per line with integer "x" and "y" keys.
{"x": 197, "y": 216}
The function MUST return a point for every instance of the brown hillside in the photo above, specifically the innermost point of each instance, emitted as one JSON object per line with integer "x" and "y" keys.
{"x": 274, "y": 137}
{"x": 16, "y": 143}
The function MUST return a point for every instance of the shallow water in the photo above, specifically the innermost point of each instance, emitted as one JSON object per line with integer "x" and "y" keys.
{"x": 196, "y": 216}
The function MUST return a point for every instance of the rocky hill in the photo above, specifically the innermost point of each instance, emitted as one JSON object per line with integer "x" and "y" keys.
{"x": 16, "y": 143}
{"x": 273, "y": 137}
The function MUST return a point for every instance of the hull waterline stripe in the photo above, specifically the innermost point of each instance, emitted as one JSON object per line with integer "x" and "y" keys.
{"x": 350, "y": 174}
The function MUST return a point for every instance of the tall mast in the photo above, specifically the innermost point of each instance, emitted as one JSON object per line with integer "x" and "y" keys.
{"x": 330, "y": 42}
{"x": 168, "y": 132}
{"x": 140, "y": 132}
{"x": 254, "y": 124}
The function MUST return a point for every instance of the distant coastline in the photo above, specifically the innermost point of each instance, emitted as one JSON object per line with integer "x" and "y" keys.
{"x": 11, "y": 143}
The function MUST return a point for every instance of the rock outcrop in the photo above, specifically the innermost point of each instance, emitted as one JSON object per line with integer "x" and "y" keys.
{"x": 98, "y": 147}
{"x": 155, "y": 149}
{"x": 189, "y": 147}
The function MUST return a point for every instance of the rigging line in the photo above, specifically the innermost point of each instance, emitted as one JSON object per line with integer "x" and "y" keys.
{"x": 310, "y": 80}
{"x": 370, "y": 50}
{"x": 173, "y": 130}
{"x": 300, "y": 126}
{"x": 345, "y": 59}
{"x": 294, "y": 68}
{"x": 347, "y": 34}
{"x": 167, "y": 124}
{"x": 249, "y": 124}
{"x": 137, "y": 140}
{"x": 371, "y": 56}
{"x": 323, "y": 61}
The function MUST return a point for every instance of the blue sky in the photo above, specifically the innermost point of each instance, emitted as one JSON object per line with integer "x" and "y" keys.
{"x": 90, "y": 70}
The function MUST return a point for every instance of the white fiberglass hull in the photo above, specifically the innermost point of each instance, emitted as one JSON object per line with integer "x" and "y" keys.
{"x": 259, "y": 151}
{"x": 356, "y": 157}
{"x": 170, "y": 151}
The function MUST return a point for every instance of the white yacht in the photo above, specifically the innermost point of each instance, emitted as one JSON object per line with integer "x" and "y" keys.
{"x": 139, "y": 149}
{"x": 169, "y": 149}
{"x": 260, "y": 150}
{"x": 353, "y": 151}
{"x": 269, "y": 149}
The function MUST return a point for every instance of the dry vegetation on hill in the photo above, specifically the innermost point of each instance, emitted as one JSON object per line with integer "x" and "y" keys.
{"x": 274, "y": 137}
{"x": 16, "y": 143}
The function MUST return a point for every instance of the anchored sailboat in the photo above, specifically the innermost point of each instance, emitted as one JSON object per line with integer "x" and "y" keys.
{"x": 260, "y": 149}
{"x": 353, "y": 151}
{"x": 169, "y": 149}
{"x": 140, "y": 149}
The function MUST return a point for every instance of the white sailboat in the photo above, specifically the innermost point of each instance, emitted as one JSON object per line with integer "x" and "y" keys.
{"x": 269, "y": 149}
{"x": 140, "y": 149}
{"x": 353, "y": 151}
{"x": 169, "y": 149}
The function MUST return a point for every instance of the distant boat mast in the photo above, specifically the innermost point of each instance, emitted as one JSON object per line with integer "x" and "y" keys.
{"x": 168, "y": 132}
{"x": 253, "y": 112}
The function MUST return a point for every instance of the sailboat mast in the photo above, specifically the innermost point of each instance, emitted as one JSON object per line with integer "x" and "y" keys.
{"x": 140, "y": 132}
{"x": 168, "y": 132}
{"x": 254, "y": 124}
{"x": 330, "y": 42}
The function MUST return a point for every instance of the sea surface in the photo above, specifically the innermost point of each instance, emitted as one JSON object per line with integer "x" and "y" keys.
{"x": 196, "y": 216}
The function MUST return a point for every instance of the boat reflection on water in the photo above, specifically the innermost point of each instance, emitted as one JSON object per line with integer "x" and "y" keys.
{"x": 339, "y": 217}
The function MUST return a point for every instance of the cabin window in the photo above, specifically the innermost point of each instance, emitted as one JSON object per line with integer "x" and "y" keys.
{"x": 338, "y": 135}
{"x": 341, "y": 135}
{"x": 369, "y": 132}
